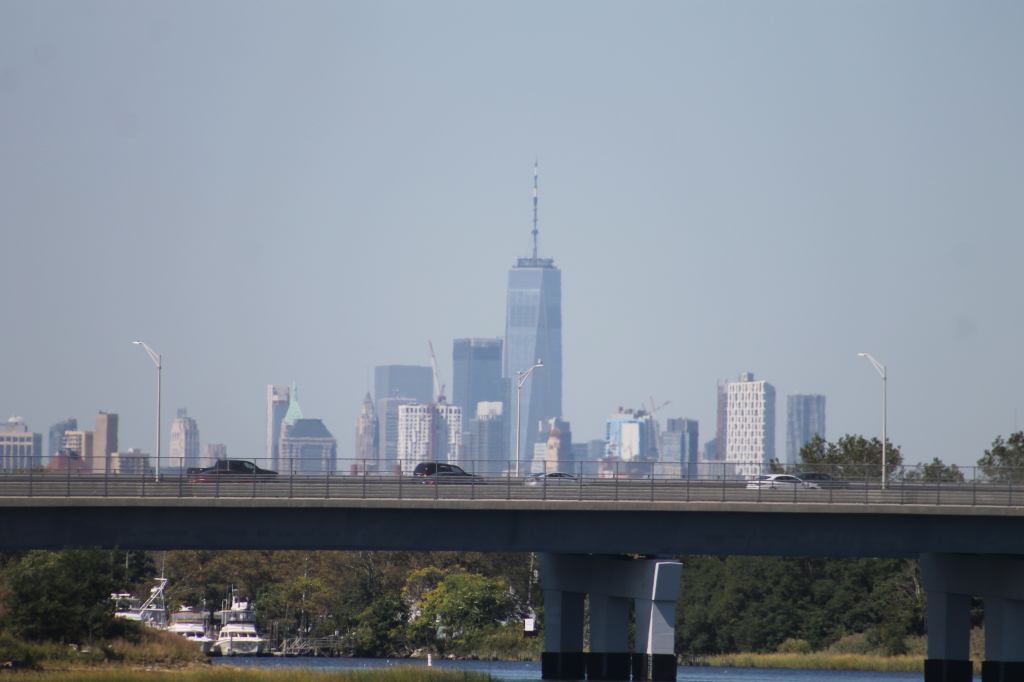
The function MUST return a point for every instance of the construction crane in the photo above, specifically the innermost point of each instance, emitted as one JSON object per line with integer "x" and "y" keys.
{"x": 438, "y": 386}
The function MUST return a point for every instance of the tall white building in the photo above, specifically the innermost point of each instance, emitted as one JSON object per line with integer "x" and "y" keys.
{"x": 750, "y": 426}
{"x": 184, "y": 441}
{"x": 428, "y": 432}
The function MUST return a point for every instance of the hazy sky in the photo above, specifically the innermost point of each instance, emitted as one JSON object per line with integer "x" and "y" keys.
{"x": 298, "y": 191}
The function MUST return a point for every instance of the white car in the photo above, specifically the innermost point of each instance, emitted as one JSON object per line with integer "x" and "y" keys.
{"x": 552, "y": 478}
{"x": 779, "y": 482}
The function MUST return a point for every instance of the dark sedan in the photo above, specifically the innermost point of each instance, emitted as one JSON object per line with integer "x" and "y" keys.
{"x": 230, "y": 470}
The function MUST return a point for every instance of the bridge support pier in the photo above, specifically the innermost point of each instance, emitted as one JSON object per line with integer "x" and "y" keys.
{"x": 611, "y": 583}
{"x": 950, "y": 580}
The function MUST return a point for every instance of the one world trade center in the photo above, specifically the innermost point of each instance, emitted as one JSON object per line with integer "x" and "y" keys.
{"x": 533, "y": 331}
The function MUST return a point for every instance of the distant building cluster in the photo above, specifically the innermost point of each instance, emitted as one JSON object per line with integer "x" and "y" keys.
{"x": 505, "y": 415}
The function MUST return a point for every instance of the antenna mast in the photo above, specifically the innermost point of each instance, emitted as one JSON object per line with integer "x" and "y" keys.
{"x": 534, "y": 233}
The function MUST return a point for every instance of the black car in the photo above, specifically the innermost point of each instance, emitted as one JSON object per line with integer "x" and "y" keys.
{"x": 230, "y": 470}
{"x": 440, "y": 473}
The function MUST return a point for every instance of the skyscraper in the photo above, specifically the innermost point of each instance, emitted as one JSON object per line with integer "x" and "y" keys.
{"x": 307, "y": 446}
{"x": 428, "y": 432}
{"x": 486, "y": 439}
{"x": 533, "y": 331}
{"x": 805, "y": 419}
{"x": 750, "y": 428}
{"x": 278, "y": 399}
{"x": 680, "y": 444}
{"x": 630, "y": 436}
{"x": 104, "y": 442}
{"x": 395, "y": 385}
{"x": 366, "y": 435}
{"x": 476, "y": 365}
{"x": 56, "y": 436}
{"x": 20, "y": 449}
{"x": 184, "y": 450}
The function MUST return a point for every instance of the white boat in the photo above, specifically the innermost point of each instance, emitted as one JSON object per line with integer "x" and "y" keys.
{"x": 191, "y": 625}
{"x": 152, "y": 612}
{"x": 238, "y": 635}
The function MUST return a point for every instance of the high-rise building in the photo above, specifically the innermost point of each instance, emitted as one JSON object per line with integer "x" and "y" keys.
{"x": 184, "y": 451}
{"x": 630, "y": 445}
{"x": 556, "y": 447}
{"x": 476, "y": 365}
{"x": 680, "y": 444}
{"x": 56, "y": 436}
{"x": 750, "y": 430}
{"x": 428, "y": 432}
{"x": 278, "y": 399}
{"x": 393, "y": 386}
{"x": 486, "y": 440}
{"x": 721, "y": 425}
{"x": 20, "y": 449}
{"x": 533, "y": 331}
{"x": 212, "y": 452}
{"x": 104, "y": 442}
{"x": 78, "y": 445}
{"x": 366, "y": 451}
{"x": 308, "y": 447}
{"x": 130, "y": 462}
{"x": 805, "y": 419}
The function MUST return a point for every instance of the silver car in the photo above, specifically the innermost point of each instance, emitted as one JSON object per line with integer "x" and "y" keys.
{"x": 779, "y": 482}
{"x": 552, "y": 478}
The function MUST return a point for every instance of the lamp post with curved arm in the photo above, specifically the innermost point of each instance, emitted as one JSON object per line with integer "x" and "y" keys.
{"x": 157, "y": 360}
{"x": 880, "y": 368}
{"x": 521, "y": 378}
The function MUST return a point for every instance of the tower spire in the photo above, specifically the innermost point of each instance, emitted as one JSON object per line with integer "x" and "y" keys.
{"x": 534, "y": 232}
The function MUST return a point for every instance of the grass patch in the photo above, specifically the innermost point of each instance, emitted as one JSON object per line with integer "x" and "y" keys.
{"x": 821, "y": 661}
{"x": 225, "y": 674}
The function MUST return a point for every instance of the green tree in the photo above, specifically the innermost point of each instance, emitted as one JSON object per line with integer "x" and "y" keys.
{"x": 1005, "y": 460}
{"x": 61, "y": 596}
{"x": 851, "y": 457}
{"x": 935, "y": 472}
{"x": 460, "y": 607}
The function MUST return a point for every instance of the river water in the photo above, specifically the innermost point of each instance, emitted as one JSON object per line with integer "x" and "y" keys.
{"x": 517, "y": 671}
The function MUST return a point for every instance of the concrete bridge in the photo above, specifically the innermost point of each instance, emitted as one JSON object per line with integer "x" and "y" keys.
{"x": 966, "y": 549}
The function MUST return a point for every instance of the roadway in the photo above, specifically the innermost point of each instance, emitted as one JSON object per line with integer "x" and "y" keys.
{"x": 648, "y": 517}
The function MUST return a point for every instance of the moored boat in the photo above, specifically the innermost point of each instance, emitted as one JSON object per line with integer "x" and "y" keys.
{"x": 151, "y": 612}
{"x": 193, "y": 626}
{"x": 238, "y": 635}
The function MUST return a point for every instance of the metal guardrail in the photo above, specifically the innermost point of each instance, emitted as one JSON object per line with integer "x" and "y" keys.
{"x": 590, "y": 481}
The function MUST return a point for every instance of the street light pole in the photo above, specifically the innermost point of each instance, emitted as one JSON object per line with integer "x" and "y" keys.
{"x": 157, "y": 360}
{"x": 521, "y": 378}
{"x": 880, "y": 368}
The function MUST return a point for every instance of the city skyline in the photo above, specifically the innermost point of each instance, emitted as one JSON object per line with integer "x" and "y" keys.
{"x": 771, "y": 188}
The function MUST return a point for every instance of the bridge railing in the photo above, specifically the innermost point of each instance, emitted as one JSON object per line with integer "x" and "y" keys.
{"x": 592, "y": 480}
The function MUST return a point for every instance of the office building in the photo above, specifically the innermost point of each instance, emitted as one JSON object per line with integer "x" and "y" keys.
{"x": 428, "y": 432}
{"x": 278, "y": 399}
{"x": 184, "y": 450}
{"x": 132, "y": 462}
{"x": 717, "y": 451}
{"x": 104, "y": 442}
{"x": 555, "y": 447}
{"x": 805, "y": 419}
{"x": 307, "y": 446}
{"x": 533, "y": 331}
{"x": 476, "y": 365}
{"x": 750, "y": 427}
{"x": 20, "y": 449}
{"x": 680, "y": 445}
{"x": 215, "y": 451}
{"x": 486, "y": 440}
{"x": 78, "y": 444}
{"x": 393, "y": 386}
{"x": 56, "y": 436}
{"x": 630, "y": 444}
{"x": 366, "y": 451}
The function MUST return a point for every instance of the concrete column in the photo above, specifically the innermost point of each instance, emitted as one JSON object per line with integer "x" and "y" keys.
{"x": 609, "y": 657}
{"x": 562, "y": 658}
{"x": 949, "y": 638}
{"x": 1004, "y": 640}
{"x": 656, "y": 622}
